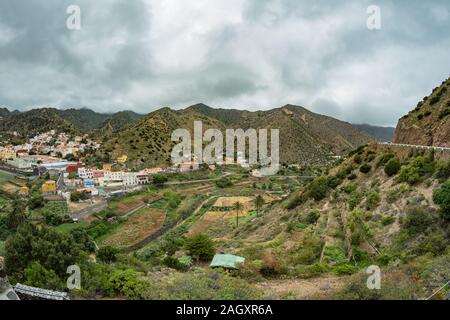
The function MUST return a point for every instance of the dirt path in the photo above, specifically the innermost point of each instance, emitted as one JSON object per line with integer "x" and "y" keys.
{"x": 302, "y": 289}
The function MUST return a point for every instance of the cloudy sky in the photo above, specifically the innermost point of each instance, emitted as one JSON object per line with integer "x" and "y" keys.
{"x": 245, "y": 54}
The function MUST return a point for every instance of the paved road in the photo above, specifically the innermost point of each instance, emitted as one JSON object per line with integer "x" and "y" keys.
{"x": 415, "y": 146}
{"x": 60, "y": 183}
{"x": 89, "y": 211}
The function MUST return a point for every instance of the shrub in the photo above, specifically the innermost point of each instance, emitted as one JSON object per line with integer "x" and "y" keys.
{"x": 200, "y": 286}
{"x": 78, "y": 196}
{"x": 295, "y": 201}
{"x": 38, "y": 276}
{"x": 417, "y": 220}
{"x": 351, "y": 187}
{"x": 392, "y": 167}
{"x": 443, "y": 170}
{"x": 333, "y": 182}
{"x": 125, "y": 282}
{"x": 409, "y": 174}
{"x": 387, "y": 220}
{"x": 345, "y": 269}
{"x": 313, "y": 216}
{"x": 365, "y": 168}
{"x": 384, "y": 159}
{"x": 200, "y": 247}
{"x": 436, "y": 244}
{"x": 107, "y": 254}
{"x": 441, "y": 196}
{"x": 444, "y": 112}
{"x": 318, "y": 188}
{"x": 271, "y": 265}
{"x": 344, "y": 172}
{"x": 357, "y": 159}
{"x": 160, "y": 179}
{"x": 373, "y": 199}
{"x": 352, "y": 176}
{"x": 355, "y": 199}
{"x": 435, "y": 100}
{"x": 224, "y": 183}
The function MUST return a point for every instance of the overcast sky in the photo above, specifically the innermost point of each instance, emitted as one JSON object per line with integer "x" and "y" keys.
{"x": 246, "y": 54}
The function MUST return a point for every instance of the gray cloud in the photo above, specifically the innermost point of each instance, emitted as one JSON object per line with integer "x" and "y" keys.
{"x": 254, "y": 54}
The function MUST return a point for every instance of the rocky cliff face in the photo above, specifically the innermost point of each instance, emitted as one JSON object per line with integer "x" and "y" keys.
{"x": 429, "y": 123}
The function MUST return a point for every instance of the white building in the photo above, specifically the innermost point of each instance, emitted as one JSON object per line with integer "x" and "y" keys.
{"x": 85, "y": 173}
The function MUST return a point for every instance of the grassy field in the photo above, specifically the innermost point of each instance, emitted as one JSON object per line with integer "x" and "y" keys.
{"x": 67, "y": 227}
{"x": 140, "y": 225}
{"x": 5, "y": 176}
{"x": 123, "y": 205}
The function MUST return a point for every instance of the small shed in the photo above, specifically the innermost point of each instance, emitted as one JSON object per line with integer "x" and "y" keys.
{"x": 227, "y": 261}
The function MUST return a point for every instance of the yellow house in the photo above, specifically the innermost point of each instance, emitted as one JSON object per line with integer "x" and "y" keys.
{"x": 122, "y": 159}
{"x": 49, "y": 187}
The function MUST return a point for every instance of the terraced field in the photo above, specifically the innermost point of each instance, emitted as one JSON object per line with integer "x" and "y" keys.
{"x": 138, "y": 226}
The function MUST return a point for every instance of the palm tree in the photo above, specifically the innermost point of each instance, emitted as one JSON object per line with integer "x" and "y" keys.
{"x": 259, "y": 202}
{"x": 238, "y": 207}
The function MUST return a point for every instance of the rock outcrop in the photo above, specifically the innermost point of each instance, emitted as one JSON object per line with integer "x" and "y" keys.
{"x": 429, "y": 123}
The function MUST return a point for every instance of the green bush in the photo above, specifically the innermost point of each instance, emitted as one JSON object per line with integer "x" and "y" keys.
{"x": 352, "y": 176}
{"x": 200, "y": 286}
{"x": 38, "y": 276}
{"x": 417, "y": 220}
{"x": 224, "y": 183}
{"x": 387, "y": 220}
{"x": 384, "y": 159}
{"x": 373, "y": 199}
{"x": 365, "y": 168}
{"x": 295, "y": 201}
{"x": 357, "y": 159}
{"x": 443, "y": 170}
{"x": 318, "y": 189}
{"x": 355, "y": 199}
{"x": 200, "y": 247}
{"x": 441, "y": 196}
{"x": 392, "y": 167}
{"x": 125, "y": 282}
{"x": 351, "y": 187}
{"x": 409, "y": 175}
{"x": 160, "y": 179}
{"x": 345, "y": 269}
{"x": 107, "y": 254}
{"x": 313, "y": 217}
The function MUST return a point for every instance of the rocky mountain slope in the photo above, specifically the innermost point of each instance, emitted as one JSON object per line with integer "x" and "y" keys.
{"x": 77, "y": 121}
{"x": 429, "y": 123}
{"x": 305, "y": 137}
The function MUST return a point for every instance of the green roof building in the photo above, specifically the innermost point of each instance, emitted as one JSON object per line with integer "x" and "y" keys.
{"x": 227, "y": 261}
